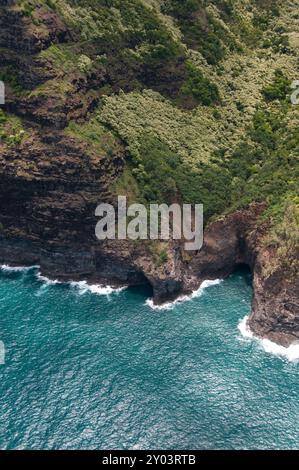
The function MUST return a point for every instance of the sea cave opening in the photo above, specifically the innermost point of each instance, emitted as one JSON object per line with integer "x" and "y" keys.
{"x": 243, "y": 269}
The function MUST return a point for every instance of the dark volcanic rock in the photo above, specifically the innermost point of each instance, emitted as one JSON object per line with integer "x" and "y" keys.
{"x": 47, "y": 203}
{"x": 238, "y": 239}
{"x": 17, "y": 32}
{"x": 47, "y": 218}
{"x": 19, "y": 252}
{"x": 51, "y": 183}
{"x": 275, "y": 312}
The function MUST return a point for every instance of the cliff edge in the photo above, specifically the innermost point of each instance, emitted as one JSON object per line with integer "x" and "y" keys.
{"x": 161, "y": 103}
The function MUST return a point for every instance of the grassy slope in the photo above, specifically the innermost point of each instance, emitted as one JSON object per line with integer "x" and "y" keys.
{"x": 186, "y": 87}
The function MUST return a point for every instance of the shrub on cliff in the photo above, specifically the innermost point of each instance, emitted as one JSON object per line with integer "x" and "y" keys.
{"x": 284, "y": 236}
{"x": 157, "y": 172}
{"x": 279, "y": 89}
{"x": 200, "y": 87}
{"x": 197, "y": 27}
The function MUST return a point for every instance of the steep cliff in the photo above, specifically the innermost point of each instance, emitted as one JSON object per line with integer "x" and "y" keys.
{"x": 161, "y": 101}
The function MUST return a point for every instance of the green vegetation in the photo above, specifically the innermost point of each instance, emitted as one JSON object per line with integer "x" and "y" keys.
{"x": 204, "y": 30}
{"x": 279, "y": 89}
{"x": 160, "y": 162}
{"x": 209, "y": 185}
{"x": 127, "y": 42}
{"x": 169, "y": 159}
{"x": 199, "y": 87}
{"x": 278, "y": 42}
{"x": 284, "y": 236}
{"x": 199, "y": 29}
{"x": 158, "y": 252}
{"x": 265, "y": 165}
{"x": 157, "y": 172}
{"x": 62, "y": 57}
{"x": 174, "y": 155}
{"x": 127, "y": 185}
{"x": 185, "y": 86}
{"x": 27, "y": 7}
{"x": 117, "y": 23}
{"x": 101, "y": 140}
{"x": 163, "y": 257}
{"x": 11, "y": 131}
{"x": 10, "y": 77}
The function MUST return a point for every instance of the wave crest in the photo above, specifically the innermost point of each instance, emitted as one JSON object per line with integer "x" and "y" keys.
{"x": 16, "y": 269}
{"x": 291, "y": 353}
{"x": 98, "y": 289}
{"x": 184, "y": 298}
{"x": 82, "y": 286}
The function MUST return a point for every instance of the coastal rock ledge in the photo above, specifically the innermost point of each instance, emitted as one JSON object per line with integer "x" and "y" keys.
{"x": 55, "y": 169}
{"x": 229, "y": 243}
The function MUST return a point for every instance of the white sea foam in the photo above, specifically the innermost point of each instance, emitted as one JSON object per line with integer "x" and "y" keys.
{"x": 16, "y": 269}
{"x": 291, "y": 353}
{"x": 46, "y": 281}
{"x": 82, "y": 286}
{"x": 184, "y": 298}
{"x": 209, "y": 283}
{"x": 98, "y": 289}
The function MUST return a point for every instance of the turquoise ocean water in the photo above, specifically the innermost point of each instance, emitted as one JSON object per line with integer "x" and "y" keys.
{"x": 89, "y": 371}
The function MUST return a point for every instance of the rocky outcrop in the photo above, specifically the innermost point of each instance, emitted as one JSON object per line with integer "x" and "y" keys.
{"x": 275, "y": 308}
{"x": 49, "y": 221}
{"x": 51, "y": 183}
{"x": 47, "y": 203}
{"x": 17, "y": 32}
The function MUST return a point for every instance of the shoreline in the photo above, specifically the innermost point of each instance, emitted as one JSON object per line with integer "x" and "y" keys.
{"x": 82, "y": 286}
{"x": 291, "y": 353}
{"x": 184, "y": 298}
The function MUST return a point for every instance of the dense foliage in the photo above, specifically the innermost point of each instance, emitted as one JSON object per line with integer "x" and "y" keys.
{"x": 265, "y": 165}
{"x": 196, "y": 90}
{"x": 138, "y": 50}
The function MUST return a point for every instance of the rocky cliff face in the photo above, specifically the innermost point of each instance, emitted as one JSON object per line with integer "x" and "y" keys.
{"x": 275, "y": 304}
{"x": 238, "y": 239}
{"x": 52, "y": 179}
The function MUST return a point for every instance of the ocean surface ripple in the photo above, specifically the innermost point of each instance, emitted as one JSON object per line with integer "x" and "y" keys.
{"x": 107, "y": 371}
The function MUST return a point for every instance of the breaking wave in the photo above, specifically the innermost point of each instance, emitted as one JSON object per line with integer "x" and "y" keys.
{"x": 82, "y": 286}
{"x": 16, "y": 269}
{"x": 291, "y": 353}
{"x": 184, "y": 298}
{"x": 98, "y": 289}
